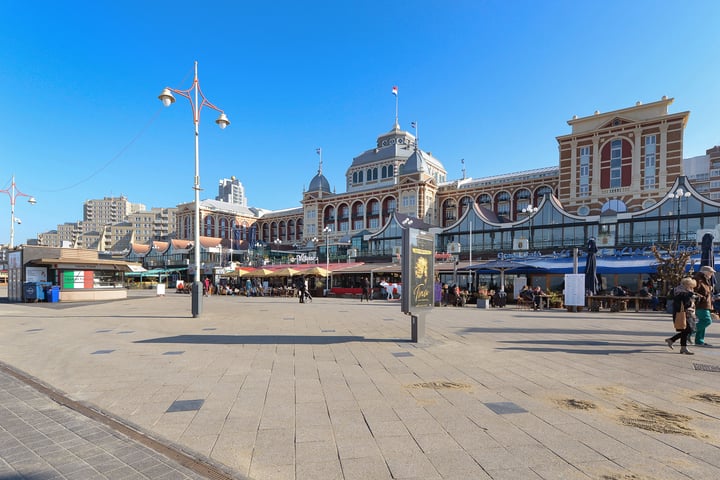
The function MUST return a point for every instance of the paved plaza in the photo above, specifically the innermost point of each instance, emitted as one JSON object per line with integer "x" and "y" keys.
{"x": 267, "y": 388}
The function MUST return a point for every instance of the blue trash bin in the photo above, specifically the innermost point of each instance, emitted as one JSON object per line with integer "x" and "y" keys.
{"x": 33, "y": 292}
{"x": 53, "y": 294}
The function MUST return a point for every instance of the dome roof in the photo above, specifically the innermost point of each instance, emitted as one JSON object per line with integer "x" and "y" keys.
{"x": 319, "y": 183}
{"x": 415, "y": 163}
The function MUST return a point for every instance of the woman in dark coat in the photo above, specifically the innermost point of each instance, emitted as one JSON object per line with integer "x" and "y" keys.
{"x": 683, "y": 296}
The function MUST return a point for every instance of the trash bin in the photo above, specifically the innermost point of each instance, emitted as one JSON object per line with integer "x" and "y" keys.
{"x": 52, "y": 294}
{"x": 33, "y": 292}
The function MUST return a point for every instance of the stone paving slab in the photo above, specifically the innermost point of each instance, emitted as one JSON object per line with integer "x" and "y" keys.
{"x": 41, "y": 439}
{"x": 335, "y": 389}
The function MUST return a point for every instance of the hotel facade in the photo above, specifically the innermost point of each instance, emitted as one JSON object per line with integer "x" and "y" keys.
{"x": 614, "y": 176}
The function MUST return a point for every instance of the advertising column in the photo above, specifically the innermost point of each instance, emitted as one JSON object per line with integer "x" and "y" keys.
{"x": 418, "y": 277}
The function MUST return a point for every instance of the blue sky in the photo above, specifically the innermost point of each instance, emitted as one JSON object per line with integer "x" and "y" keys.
{"x": 490, "y": 82}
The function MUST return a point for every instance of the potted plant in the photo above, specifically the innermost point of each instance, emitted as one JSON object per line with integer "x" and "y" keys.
{"x": 555, "y": 300}
{"x": 483, "y": 299}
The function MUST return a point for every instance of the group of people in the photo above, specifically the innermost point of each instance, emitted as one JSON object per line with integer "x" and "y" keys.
{"x": 533, "y": 295}
{"x": 694, "y": 297}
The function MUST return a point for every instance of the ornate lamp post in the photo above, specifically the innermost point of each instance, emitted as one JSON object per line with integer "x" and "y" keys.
{"x": 678, "y": 196}
{"x": 166, "y": 96}
{"x": 327, "y": 231}
{"x": 530, "y": 210}
{"x": 13, "y": 193}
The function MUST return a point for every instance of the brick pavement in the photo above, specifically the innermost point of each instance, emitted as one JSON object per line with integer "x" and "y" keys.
{"x": 272, "y": 389}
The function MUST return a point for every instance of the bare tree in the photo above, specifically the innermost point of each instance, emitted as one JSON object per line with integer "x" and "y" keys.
{"x": 672, "y": 263}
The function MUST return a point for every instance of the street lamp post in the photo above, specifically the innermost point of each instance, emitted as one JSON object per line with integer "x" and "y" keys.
{"x": 678, "y": 196}
{"x": 277, "y": 243}
{"x": 166, "y": 96}
{"x": 327, "y": 231}
{"x": 530, "y": 210}
{"x": 13, "y": 193}
{"x": 258, "y": 256}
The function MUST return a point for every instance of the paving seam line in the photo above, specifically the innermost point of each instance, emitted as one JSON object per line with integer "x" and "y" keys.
{"x": 190, "y": 460}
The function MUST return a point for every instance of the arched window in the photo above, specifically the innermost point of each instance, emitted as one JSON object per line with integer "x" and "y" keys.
{"x": 391, "y": 171}
{"x": 360, "y": 176}
{"x": 375, "y": 172}
{"x": 502, "y": 204}
{"x": 465, "y": 204}
{"x": 615, "y": 205}
{"x": 485, "y": 200}
{"x": 291, "y": 230}
{"x": 358, "y": 214}
{"x": 449, "y": 212}
{"x": 224, "y": 230}
{"x": 187, "y": 228}
{"x": 383, "y": 173}
{"x": 354, "y": 177}
{"x": 209, "y": 226}
{"x": 329, "y": 216}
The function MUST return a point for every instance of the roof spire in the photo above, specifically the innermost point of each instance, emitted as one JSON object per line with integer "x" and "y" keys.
{"x": 319, "y": 152}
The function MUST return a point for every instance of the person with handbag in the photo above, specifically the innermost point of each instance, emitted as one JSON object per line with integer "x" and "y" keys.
{"x": 704, "y": 291}
{"x": 683, "y": 309}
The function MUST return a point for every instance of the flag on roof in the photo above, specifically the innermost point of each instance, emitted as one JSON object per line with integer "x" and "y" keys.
{"x": 394, "y": 90}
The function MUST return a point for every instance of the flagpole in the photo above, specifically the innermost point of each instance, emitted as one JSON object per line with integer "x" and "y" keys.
{"x": 395, "y": 92}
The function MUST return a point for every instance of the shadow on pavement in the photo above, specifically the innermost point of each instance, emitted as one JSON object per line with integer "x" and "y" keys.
{"x": 266, "y": 339}
{"x": 577, "y": 351}
{"x": 564, "y": 331}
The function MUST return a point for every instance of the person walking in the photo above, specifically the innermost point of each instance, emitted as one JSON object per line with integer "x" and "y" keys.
{"x": 703, "y": 306}
{"x": 306, "y": 290}
{"x": 365, "y": 290}
{"x": 683, "y": 299}
{"x": 300, "y": 283}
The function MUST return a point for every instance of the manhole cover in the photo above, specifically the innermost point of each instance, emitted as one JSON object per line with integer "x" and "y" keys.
{"x": 503, "y": 408}
{"x": 185, "y": 406}
{"x": 402, "y": 354}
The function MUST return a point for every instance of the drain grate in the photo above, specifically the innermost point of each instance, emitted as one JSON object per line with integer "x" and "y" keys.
{"x": 35, "y": 330}
{"x": 101, "y": 352}
{"x": 126, "y": 331}
{"x": 706, "y": 368}
{"x": 103, "y": 331}
{"x": 178, "y": 352}
{"x": 503, "y": 408}
{"x": 327, "y": 331}
{"x": 402, "y": 354}
{"x": 209, "y": 328}
{"x": 185, "y": 406}
{"x": 441, "y": 385}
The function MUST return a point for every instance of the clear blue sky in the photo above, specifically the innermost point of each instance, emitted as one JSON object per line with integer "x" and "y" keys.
{"x": 492, "y": 82}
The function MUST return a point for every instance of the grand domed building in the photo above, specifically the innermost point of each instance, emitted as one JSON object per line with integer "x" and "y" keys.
{"x": 614, "y": 180}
